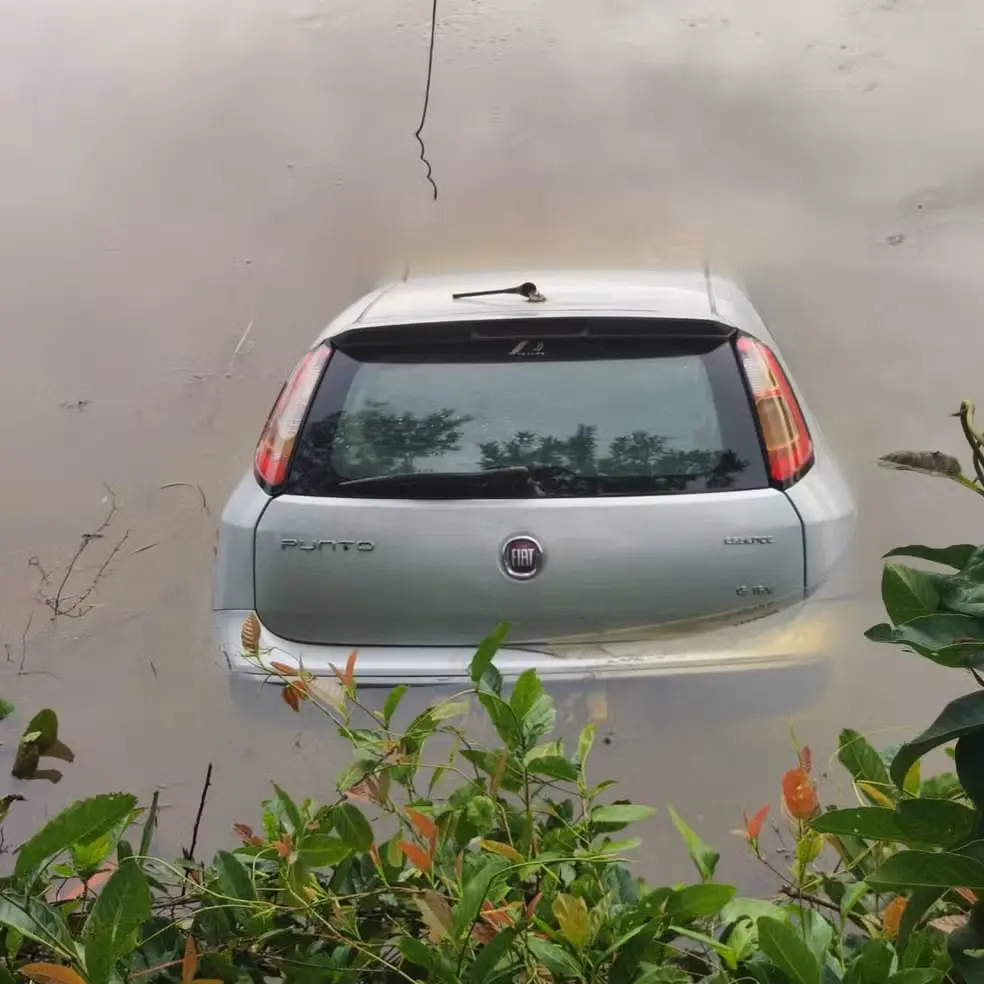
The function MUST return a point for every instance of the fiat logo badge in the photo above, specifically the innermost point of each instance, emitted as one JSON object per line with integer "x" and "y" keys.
{"x": 522, "y": 557}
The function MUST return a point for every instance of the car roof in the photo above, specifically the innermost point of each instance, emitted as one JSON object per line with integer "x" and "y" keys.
{"x": 672, "y": 294}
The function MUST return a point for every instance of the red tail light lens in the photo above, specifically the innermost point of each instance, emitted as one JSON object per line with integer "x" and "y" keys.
{"x": 276, "y": 444}
{"x": 787, "y": 439}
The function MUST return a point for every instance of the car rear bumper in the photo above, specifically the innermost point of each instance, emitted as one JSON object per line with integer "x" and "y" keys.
{"x": 806, "y": 632}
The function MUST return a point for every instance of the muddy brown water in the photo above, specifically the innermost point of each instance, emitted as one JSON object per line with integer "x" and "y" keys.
{"x": 175, "y": 173}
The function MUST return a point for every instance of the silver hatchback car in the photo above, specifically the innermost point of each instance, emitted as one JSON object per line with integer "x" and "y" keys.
{"x": 617, "y": 464}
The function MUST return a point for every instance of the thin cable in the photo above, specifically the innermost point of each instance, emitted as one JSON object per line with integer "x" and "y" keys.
{"x": 427, "y": 91}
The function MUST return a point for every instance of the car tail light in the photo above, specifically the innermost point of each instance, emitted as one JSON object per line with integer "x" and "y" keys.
{"x": 787, "y": 440}
{"x": 276, "y": 443}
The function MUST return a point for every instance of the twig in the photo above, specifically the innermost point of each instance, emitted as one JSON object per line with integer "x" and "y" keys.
{"x": 427, "y": 88}
{"x": 190, "y": 853}
{"x": 27, "y": 628}
{"x": 792, "y": 893}
{"x": 190, "y": 485}
{"x": 75, "y": 610}
{"x": 55, "y": 603}
{"x": 238, "y": 348}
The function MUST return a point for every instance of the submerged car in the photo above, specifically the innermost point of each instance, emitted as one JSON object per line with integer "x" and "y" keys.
{"x": 616, "y": 464}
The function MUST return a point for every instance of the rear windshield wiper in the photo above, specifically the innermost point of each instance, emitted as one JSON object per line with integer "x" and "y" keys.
{"x": 450, "y": 484}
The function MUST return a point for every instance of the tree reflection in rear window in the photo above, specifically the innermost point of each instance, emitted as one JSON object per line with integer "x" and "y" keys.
{"x": 594, "y": 416}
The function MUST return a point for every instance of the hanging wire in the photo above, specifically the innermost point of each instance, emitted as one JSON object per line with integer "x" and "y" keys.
{"x": 427, "y": 89}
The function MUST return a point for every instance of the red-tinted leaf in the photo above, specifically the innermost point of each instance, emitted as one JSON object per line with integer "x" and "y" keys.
{"x": 189, "y": 963}
{"x": 348, "y": 675}
{"x": 246, "y": 835}
{"x": 483, "y": 933}
{"x": 966, "y": 893}
{"x": 532, "y": 904}
{"x": 290, "y": 698}
{"x": 892, "y": 916}
{"x": 250, "y": 635}
{"x": 806, "y": 759}
{"x": 374, "y": 854}
{"x": 753, "y": 827}
{"x": 424, "y": 826}
{"x": 283, "y": 846}
{"x": 284, "y": 670}
{"x": 418, "y": 856}
{"x": 500, "y": 771}
{"x": 46, "y": 973}
{"x": 494, "y": 916}
{"x": 799, "y": 795}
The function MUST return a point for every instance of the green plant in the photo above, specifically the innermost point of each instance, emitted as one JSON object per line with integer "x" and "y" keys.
{"x": 910, "y": 855}
{"x": 497, "y": 864}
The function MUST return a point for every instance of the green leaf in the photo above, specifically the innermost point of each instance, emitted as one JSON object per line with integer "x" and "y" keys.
{"x": 942, "y": 823}
{"x": 539, "y": 720}
{"x": 485, "y": 653}
{"x": 753, "y": 909}
{"x": 705, "y": 858}
{"x": 84, "y": 820}
{"x": 89, "y": 854}
{"x": 908, "y": 593}
{"x": 503, "y": 719}
{"x": 861, "y": 760}
{"x": 963, "y": 716}
{"x": 969, "y": 758}
{"x": 966, "y": 946}
{"x": 6, "y": 709}
{"x": 584, "y": 743}
{"x": 916, "y": 975}
{"x": 938, "y": 822}
{"x": 234, "y": 880}
{"x": 555, "y": 958}
{"x": 150, "y": 825}
{"x": 573, "y": 919}
{"x": 33, "y": 919}
{"x": 448, "y": 709}
{"x": 920, "y": 902}
{"x": 474, "y": 891}
{"x": 554, "y": 767}
{"x": 480, "y": 811}
{"x": 393, "y": 699}
{"x": 852, "y": 897}
{"x": 290, "y": 810}
{"x": 120, "y": 909}
{"x": 922, "y": 869}
{"x": 873, "y": 965}
{"x": 817, "y": 933}
{"x": 956, "y": 556}
{"x": 621, "y": 813}
{"x": 781, "y": 943}
{"x": 964, "y": 592}
{"x": 525, "y": 693}
{"x": 490, "y": 955}
{"x": 352, "y": 826}
{"x": 870, "y": 822}
{"x": 945, "y": 638}
{"x": 323, "y": 851}
{"x": 417, "y": 952}
{"x": 700, "y": 901}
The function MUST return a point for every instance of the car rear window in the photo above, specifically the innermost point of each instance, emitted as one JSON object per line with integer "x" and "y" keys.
{"x": 592, "y": 416}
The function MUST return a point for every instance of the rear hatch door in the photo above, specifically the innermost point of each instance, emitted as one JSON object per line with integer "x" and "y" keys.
{"x": 603, "y": 478}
